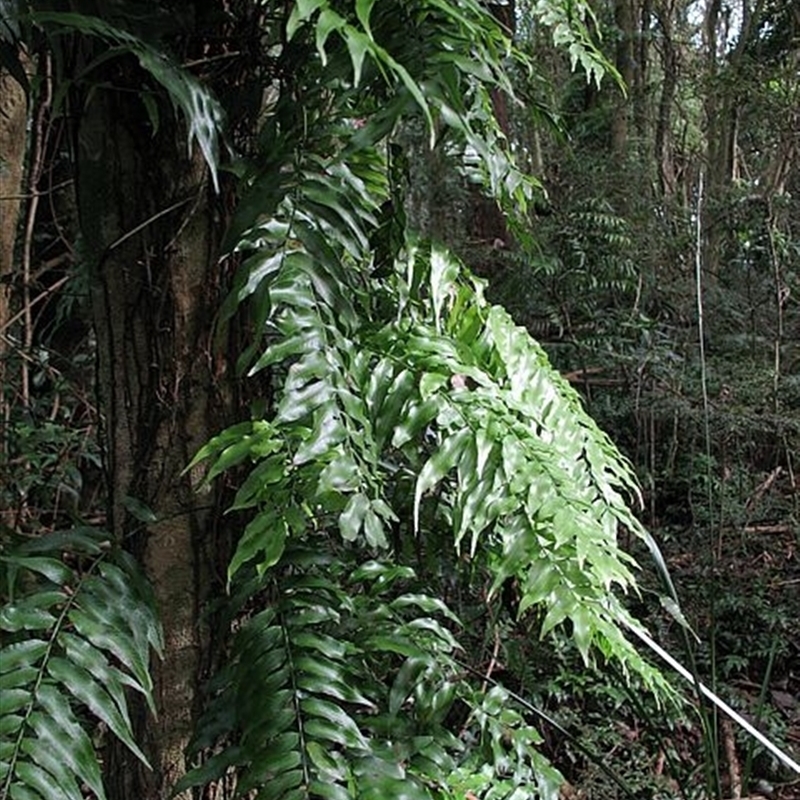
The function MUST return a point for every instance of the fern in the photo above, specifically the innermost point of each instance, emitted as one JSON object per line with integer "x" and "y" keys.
{"x": 200, "y": 108}
{"x": 78, "y": 628}
{"x": 336, "y": 688}
{"x": 407, "y": 407}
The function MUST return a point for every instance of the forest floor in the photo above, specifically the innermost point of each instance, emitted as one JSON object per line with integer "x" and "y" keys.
{"x": 740, "y": 591}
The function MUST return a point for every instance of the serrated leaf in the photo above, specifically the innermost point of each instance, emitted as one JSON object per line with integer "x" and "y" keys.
{"x": 22, "y": 676}
{"x": 61, "y": 775}
{"x": 210, "y": 770}
{"x": 84, "y": 655}
{"x": 316, "y": 710}
{"x": 41, "y": 781}
{"x": 12, "y": 700}
{"x": 327, "y": 432}
{"x": 373, "y": 529}
{"x": 101, "y": 628}
{"x": 325, "y": 730}
{"x": 387, "y": 414}
{"x": 430, "y": 605}
{"x": 341, "y": 475}
{"x": 326, "y": 645}
{"x": 405, "y": 681}
{"x": 330, "y": 791}
{"x": 417, "y": 416}
{"x": 21, "y": 792}
{"x": 279, "y": 788}
{"x": 25, "y": 618}
{"x": 301, "y": 403}
{"x": 331, "y": 767}
{"x": 10, "y": 725}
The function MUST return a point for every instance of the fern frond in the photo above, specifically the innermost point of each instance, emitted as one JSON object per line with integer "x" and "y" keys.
{"x": 338, "y": 688}
{"x": 78, "y": 627}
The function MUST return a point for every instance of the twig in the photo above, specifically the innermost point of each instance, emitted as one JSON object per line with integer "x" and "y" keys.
{"x": 763, "y": 488}
{"x": 734, "y": 773}
{"x": 768, "y": 529}
{"x": 25, "y": 312}
{"x": 37, "y": 192}
{"x": 493, "y": 662}
{"x": 37, "y": 164}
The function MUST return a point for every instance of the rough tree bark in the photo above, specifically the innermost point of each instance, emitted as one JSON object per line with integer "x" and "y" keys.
{"x": 147, "y": 218}
{"x": 13, "y": 118}
{"x": 663, "y": 138}
{"x": 624, "y": 61}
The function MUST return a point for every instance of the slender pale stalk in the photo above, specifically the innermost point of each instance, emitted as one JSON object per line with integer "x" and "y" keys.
{"x": 716, "y": 700}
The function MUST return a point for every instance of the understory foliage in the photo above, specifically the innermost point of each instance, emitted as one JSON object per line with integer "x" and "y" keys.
{"x": 78, "y": 628}
{"x": 406, "y": 409}
{"x": 408, "y": 416}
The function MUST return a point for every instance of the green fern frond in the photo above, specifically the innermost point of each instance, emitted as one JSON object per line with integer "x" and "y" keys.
{"x": 78, "y": 627}
{"x": 337, "y": 688}
{"x": 201, "y": 109}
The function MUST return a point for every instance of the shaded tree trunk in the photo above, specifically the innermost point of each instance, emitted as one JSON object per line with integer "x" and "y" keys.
{"x": 625, "y": 63}
{"x": 13, "y": 119}
{"x": 723, "y": 97}
{"x": 663, "y": 137}
{"x": 147, "y": 220}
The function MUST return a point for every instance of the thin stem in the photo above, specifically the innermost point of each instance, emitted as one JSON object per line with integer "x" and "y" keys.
{"x": 709, "y": 723}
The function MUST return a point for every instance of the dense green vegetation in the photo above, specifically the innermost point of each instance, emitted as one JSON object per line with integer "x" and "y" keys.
{"x": 304, "y": 488}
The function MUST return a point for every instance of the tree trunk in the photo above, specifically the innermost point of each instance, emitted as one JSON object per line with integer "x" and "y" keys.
{"x": 623, "y": 18}
{"x": 146, "y": 218}
{"x": 663, "y": 144}
{"x": 13, "y": 119}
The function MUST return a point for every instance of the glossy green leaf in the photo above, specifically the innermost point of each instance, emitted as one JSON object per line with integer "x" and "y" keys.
{"x": 49, "y": 761}
{"x": 326, "y": 433}
{"x": 265, "y": 534}
{"x": 438, "y": 465}
{"x": 341, "y": 475}
{"x": 302, "y": 11}
{"x": 59, "y": 731}
{"x": 405, "y": 681}
{"x": 85, "y": 688}
{"x": 25, "y": 617}
{"x": 416, "y": 417}
{"x": 101, "y": 628}
{"x": 352, "y": 518}
{"x": 21, "y": 792}
{"x": 358, "y": 45}
{"x": 202, "y": 111}
{"x": 18, "y": 677}
{"x": 139, "y": 510}
{"x": 43, "y": 782}
{"x": 13, "y": 700}
{"x": 21, "y": 654}
{"x": 52, "y": 569}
